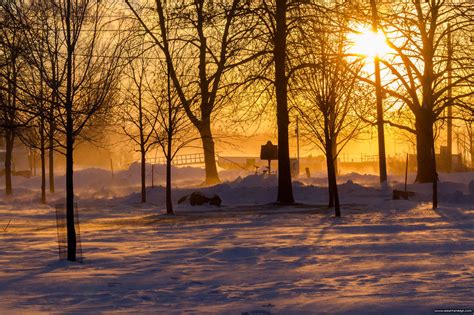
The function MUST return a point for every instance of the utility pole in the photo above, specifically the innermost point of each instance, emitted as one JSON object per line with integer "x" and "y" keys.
{"x": 450, "y": 109}
{"x": 378, "y": 95}
{"x": 298, "y": 143}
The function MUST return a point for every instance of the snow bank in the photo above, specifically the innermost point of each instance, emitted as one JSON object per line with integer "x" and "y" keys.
{"x": 449, "y": 192}
{"x": 238, "y": 187}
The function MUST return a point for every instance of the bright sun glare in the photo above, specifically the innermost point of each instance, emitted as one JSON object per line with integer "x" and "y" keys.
{"x": 367, "y": 43}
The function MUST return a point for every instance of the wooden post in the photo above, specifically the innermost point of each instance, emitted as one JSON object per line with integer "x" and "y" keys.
{"x": 406, "y": 173}
{"x": 112, "y": 167}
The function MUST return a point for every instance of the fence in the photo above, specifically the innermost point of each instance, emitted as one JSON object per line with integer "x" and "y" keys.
{"x": 185, "y": 159}
{"x": 61, "y": 225}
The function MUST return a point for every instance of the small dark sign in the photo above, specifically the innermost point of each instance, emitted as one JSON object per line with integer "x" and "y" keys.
{"x": 269, "y": 152}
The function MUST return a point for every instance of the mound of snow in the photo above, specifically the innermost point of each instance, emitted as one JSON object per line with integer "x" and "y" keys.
{"x": 179, "y": 174}
{"x": 364, "y": 179}
{"x": 256, "y": 181}
{"x": 452, "y": 192}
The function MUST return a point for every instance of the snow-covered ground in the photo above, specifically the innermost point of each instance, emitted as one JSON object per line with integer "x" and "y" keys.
{"x": 248, "y": 256}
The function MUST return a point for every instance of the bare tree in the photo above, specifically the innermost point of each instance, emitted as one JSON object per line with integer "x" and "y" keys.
{"x": 138, "y": 111}
{"x": 11, "y": 49}
{"x": 45, "y": 45}
{"x": 326, "y": 92}
{"x": 87, "y": 78}
{"x": 35, "y": 134}
{"x": 41, "y": 34}
{"x": 435, "y": 22}
{"x": 41, "y": 30}
{"x": 173, "y": 132}
{"x": 278, "y": 20}
{"x": 285, "y": 190}
{"x": 417, "y": 32}
{"x": 214, "y": 36}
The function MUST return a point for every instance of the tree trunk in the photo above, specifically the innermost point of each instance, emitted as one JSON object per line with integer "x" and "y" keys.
{"x": 471, "y": 149}
{"x": 334, "y": 155}
{"x": 71, "y": 231}
{"x": 43, "y": 176}
{"x": 330, "y": 190}
{"x": 212, "y": 177}
{"x": 329, "y": 160}
{"x": 51, "y": 144}
{"x": 285, "y": 190}
{"x": 380, "y": 124}
{"x": 424, "y": 148}
{"x": 331, "y": 170}
{"x": 43, "y": 163}
{"x": 9, "y": 142}
{"x": 142, "y": 139}
{"x": 51, "y": 167}
{"x": 33, "y": 161}
{"x": 435, "y": 178}
{"x": 333, "y": 181}
{"x": 143, "y": 173}
{"x": 169, "y": 204}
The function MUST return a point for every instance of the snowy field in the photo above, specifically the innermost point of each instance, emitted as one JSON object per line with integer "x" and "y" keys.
{"x": 246, "y": 257}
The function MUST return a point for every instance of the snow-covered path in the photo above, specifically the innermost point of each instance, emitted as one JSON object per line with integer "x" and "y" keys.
{"x": 243, "y": 259}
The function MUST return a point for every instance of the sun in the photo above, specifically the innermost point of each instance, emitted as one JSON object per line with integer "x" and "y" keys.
{"x": 367, "y": 43}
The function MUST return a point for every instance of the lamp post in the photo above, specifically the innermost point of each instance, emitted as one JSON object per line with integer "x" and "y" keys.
{"x": 378, "y": 95}
{"x": 450, "y": 108}
{"x": 298, "y": 144}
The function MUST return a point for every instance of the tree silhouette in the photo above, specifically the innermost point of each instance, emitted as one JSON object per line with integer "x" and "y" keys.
{"x": 213, "y": 36}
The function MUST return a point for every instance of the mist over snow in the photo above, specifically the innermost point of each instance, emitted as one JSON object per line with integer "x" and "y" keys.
{"x": 238, "y": 187}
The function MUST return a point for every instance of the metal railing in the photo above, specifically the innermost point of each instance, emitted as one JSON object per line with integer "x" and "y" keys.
{"x": 184, "y": 159}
